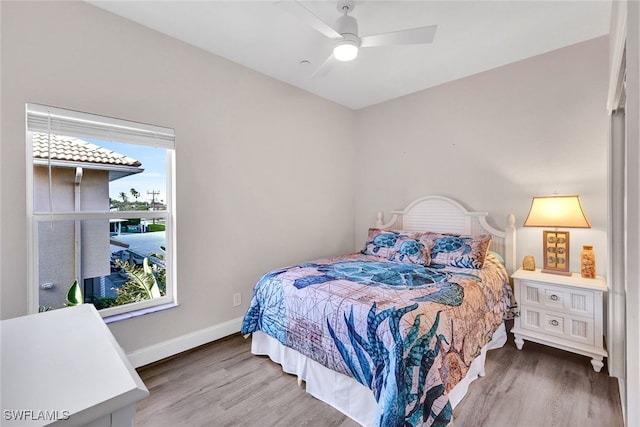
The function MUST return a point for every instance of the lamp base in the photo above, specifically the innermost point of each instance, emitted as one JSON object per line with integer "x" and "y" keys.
{"x": 559, "y": 272}
{"x": 555, "y": 245}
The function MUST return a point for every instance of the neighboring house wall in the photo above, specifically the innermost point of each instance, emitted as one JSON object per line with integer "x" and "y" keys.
{"x": 94, "y": 189}
{"x": 57, "y": 239}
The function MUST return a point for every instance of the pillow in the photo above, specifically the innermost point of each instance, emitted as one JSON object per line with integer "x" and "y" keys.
{"x": 497, "y": 256}
{"x": 455, "y": 250}
{"x": 397, "y": 246}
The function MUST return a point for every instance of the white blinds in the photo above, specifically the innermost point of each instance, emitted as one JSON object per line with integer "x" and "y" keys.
{"x": 42, "y": 118}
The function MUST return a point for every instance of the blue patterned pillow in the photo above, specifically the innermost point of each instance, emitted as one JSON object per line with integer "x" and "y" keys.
{"x": 397, "y": 246}
{"x": 455, "y": 250}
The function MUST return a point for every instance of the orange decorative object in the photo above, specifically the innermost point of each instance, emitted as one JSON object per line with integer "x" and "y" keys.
{"x": 529, "y": 263}
{"x": 588, "y": 262}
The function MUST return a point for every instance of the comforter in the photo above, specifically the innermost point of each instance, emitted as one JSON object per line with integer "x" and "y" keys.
{"x": 408, "y": 332}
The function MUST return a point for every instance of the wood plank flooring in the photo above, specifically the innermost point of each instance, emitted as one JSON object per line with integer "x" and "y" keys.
{"x": 222, "y": 384}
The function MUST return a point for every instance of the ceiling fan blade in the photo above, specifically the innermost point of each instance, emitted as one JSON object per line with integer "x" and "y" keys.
{"x": 412, "y": 36}
{"x": 324, "y": 68}
{"x": 307, "y": 16}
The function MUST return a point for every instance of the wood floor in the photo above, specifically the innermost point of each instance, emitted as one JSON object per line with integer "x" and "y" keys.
{"x": 222, "y": 384}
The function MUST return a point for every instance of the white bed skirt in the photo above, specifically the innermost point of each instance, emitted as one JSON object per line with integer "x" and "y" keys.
{"x": 345, "y": 393}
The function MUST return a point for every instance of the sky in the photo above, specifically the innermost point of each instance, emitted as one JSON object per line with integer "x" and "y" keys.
{"x": 153, "y": 179}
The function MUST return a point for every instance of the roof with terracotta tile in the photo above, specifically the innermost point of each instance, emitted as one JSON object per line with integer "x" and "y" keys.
{"x": 65, "y": 148}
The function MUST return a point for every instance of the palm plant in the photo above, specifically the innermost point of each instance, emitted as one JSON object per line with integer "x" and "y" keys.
{"x": 142, "y": 284}
{"x": 74, "y": 295}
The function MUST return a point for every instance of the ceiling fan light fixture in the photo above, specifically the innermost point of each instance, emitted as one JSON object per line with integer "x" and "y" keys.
{"x": 345, "y": 51}
{"x": 347, "y": 48}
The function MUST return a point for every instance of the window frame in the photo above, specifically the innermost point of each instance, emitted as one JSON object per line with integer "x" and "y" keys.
{"x": 35, "y": 218}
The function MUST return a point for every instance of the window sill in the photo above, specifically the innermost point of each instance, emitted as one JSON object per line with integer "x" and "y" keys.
{"x": 138, "y": 313}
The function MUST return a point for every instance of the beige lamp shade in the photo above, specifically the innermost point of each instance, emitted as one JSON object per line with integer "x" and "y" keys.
{"x": 557, "y": 211}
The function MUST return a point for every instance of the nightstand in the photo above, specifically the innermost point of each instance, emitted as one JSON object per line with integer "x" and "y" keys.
{"x": 565, "y": 312}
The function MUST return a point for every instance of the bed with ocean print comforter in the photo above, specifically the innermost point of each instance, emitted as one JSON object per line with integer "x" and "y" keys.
{"x": 408, "y": 331}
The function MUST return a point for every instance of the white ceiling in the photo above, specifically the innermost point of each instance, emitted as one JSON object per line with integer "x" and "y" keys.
{"x": 472, "y": 36}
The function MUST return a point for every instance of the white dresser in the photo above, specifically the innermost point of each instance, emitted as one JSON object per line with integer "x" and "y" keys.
{"x": 65, "y": 368}
{"x": 565, "y": 312}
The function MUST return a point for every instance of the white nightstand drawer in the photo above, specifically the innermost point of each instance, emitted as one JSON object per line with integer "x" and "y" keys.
{"x": 565, "y": 299}
{"x": 574, "y": 328}
{"x": 561, "y": 311}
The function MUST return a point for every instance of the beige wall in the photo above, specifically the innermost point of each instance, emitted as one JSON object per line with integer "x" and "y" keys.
{"x": 253, "y": 153}
{"x": 253, "y": 192}
{"x": 494, "y": 140}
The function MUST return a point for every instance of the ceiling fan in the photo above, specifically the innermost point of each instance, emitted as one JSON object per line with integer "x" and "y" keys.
{"x": 345, "y": 31}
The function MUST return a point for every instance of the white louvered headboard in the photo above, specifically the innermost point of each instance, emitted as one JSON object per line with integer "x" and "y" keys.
{"x": 444, "y": 215}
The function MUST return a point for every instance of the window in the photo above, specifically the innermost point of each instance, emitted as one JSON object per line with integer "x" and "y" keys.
{"x": 100, "y": 211}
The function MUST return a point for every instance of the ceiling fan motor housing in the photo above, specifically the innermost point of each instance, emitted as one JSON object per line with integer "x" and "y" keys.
{"x": 347, "y": 25}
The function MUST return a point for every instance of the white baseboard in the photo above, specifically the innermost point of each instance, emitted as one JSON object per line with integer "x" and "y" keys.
{"x": 159, "y": 351}
{"x": 622, "y": 389}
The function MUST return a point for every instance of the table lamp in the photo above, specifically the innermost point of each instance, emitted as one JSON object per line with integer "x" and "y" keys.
{"x": 558, "y": 212}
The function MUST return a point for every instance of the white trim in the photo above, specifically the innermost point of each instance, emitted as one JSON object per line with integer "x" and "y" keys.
{"x": 618, "y": 37}
{"x": 86, "y": 165}
{"x": 32, "y": 236}
{"x": 99, "y": 215}
{"x": 167, "y": 348}
{"x": 632, "y": 275}
{"x": 616, "y": 246}
{"x": 41, "y": 118}
{"x": 622, "y": 389}
{"x": 171, "y": 258}
{"x": 137, "y": 308}
{"x": 138, "y": 313}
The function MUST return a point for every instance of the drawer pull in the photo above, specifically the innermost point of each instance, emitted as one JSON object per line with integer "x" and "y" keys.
{"x": 554, "y": 297}
{"x": 554, "y": 323}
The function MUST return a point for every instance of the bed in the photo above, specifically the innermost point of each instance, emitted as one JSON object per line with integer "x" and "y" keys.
{"x": 394, "y": 334}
